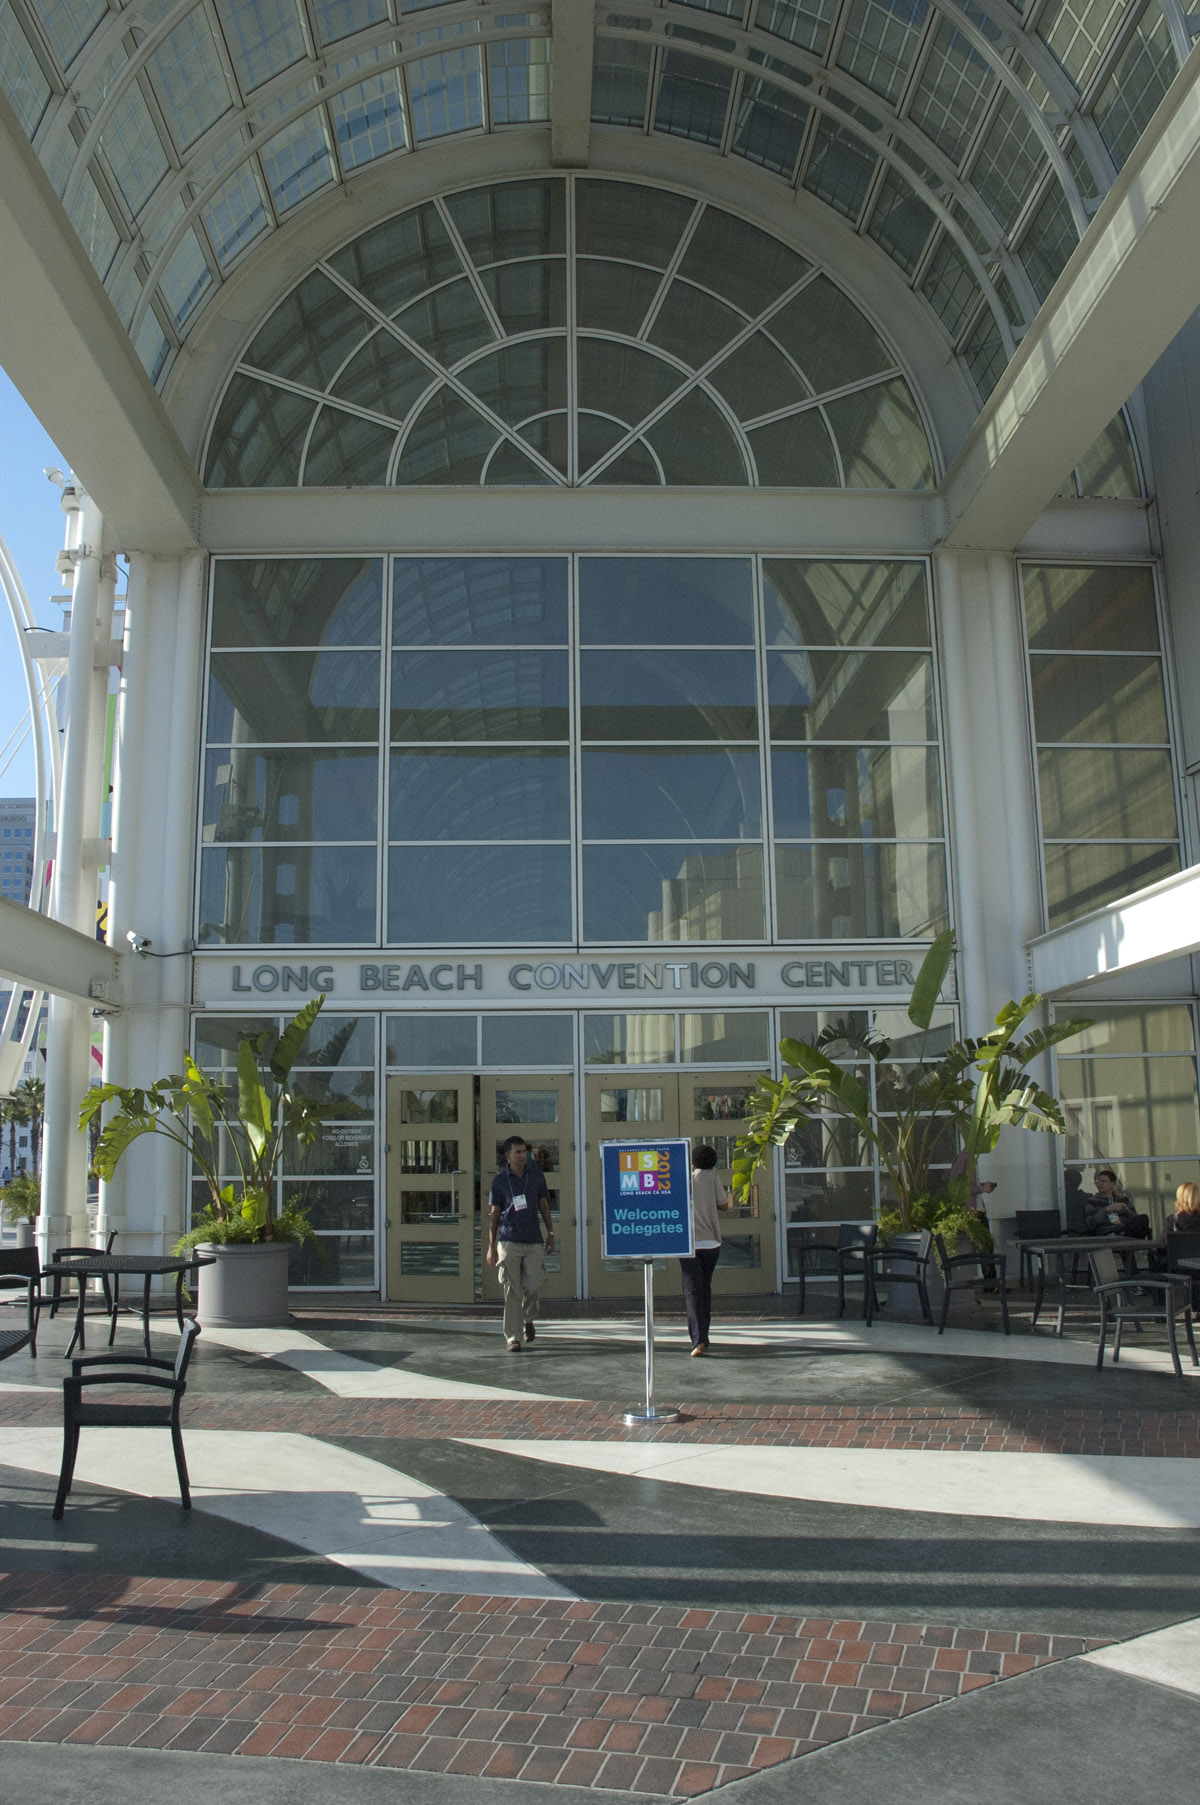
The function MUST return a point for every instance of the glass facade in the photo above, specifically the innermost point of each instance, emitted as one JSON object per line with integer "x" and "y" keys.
{"x": 1128, "y": 1086}
{"x": 593, "y": 749}
{"x": 1105, "y": 772}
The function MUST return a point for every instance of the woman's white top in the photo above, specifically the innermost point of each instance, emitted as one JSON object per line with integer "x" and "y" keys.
{"x": 708, "y": 1196}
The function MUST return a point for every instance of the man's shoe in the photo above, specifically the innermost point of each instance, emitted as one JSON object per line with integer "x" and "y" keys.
{"x": 514, "y": 1347}
{"x": 530, "y": 1331}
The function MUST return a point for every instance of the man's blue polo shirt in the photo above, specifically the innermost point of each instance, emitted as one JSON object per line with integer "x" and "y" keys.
{"x": 517, "y": 1200}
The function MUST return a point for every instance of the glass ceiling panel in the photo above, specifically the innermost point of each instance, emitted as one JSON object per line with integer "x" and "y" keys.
{"x": 180, "y": 134}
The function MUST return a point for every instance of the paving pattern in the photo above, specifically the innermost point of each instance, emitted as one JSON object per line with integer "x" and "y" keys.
{"x": 650, "y": 1698}
{"x": 634, "y": 1698}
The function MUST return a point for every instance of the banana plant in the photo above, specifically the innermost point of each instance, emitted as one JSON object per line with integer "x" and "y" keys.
{"x": 969, "y": 1093}
{"x": 222, "y": 1127}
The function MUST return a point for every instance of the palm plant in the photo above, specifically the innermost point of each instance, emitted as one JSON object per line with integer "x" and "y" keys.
{"x": 30, "y": 1096}
{"x": 224, "y": 1128}
{"x": 970, "y": 1092}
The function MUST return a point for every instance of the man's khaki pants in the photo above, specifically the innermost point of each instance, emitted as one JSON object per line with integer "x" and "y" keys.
{"x": 521, "y": 1282}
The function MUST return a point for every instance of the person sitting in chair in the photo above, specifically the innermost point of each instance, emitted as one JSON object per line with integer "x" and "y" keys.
{"x": 1111, "y": 1212}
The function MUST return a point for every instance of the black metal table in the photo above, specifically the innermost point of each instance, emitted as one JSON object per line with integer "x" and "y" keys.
{"x": 1058, "y": 1247}
{"x": 114, "y": 1265}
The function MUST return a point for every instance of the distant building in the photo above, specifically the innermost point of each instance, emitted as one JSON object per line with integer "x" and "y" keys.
{"x": 17, "y": 818}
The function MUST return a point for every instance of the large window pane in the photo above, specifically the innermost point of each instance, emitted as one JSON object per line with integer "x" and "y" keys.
{"x": 1134, "y": 1108}
{"x": 1109, "y": 609}
{"x": 502, "y": 894}
{"x": 677, "y": 695}
{"x": 826, "y": 1197}
{"x": 479, "y": 695}
{"x": 629, "y": 1040}
{"x": 479, "y": 601}
{"x": 519, "y": 795}
{"x": 649, "y": 794}
{"x": 724, "y": 1038}
{"x": 1085, "y": 877}
{"x": 885, "y": 792}
{"x": 293, "y": 602}
{"x": 666, "y": 601}
{"x": 819, "y": 602}
{"x": 1098, "y": 700}
{"x": 280, "y": 696}
{"x": 289, "y": 793}
{"x": 427, "y": 1040}
{"x": 852, "y": 696}
{"x": 287, "y": 895}
{"x": 1135, "y": 1028}
{"x": 651, "y": 893}
{"x": 1094, "y": 794}
{"x": 842, "y": 891}
{"x": 528, "y": 1042}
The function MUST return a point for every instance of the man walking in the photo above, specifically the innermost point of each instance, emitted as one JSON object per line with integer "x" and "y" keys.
{"x": 518, "y": 1197}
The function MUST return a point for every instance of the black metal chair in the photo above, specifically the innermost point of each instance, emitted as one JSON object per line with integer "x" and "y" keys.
{"x": 1034, "y": 1225}
{"x": 20, "y": 1271}
{"x": 965, "y": 1271}
{"x": 904, "y": 1262}
{"x": 835, "y": 1251}
{"x": 126, "y": 1371}
{"x": 59, "y": 1296}
{"x": 1144, "y": 1297}
{"x": 1184, "y": 1244}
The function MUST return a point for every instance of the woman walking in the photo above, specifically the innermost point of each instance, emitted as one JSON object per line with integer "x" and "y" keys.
{"x": 708, "y": 1196}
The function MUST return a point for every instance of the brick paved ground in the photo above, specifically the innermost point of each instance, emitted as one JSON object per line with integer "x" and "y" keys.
{"x": 1020, "y": 1431}
{"x": 637, "y": 1698}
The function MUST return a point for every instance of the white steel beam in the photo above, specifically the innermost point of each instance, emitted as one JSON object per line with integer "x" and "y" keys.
{"x": 572, "y": 47}
{"x": 67, "y": 352}
{"x": 51, "y": 956}
{"x": 1157, "y": 923}
{"x": 1130, "y": 286}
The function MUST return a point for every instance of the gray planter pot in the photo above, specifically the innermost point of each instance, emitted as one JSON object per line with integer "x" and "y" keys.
{"x": 246, "y": 1288}
{"x": 25, "y": 1234}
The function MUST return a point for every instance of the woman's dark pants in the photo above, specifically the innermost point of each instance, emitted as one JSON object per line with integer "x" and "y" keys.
{"x": 697, "y": 1291}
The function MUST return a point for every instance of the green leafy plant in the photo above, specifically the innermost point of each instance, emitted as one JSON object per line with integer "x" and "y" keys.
{"x": 21, "y": 1198}
{"x": 224, "y": 1127}
{"x": 966, "y": 1095}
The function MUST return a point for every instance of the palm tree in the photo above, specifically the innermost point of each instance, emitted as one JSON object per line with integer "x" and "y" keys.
{"x": 31, "y": 1093}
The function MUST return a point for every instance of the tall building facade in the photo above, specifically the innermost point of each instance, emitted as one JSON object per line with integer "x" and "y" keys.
{"x": 592, "y": 610}
{"x": 17, "y": 817}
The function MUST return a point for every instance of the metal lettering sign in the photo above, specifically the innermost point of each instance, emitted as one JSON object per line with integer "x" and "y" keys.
{"x": 647, "y": 1199}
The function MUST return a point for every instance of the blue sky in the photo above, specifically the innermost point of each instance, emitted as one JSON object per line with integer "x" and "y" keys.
{"x": 31, "y": 523}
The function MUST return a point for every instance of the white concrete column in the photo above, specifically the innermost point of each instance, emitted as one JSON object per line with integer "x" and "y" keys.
{"x": 153, "y": 856}
{"x": 993, "y": 825}
{"x": 72, "y": 897}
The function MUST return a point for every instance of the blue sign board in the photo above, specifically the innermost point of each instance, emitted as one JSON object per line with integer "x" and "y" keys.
{"x": 647, "y": 1199}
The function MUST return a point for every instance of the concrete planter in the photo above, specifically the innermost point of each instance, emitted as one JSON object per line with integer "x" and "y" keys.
{"x": 246, "y": 1288}
{"x": 25, "y": 1234}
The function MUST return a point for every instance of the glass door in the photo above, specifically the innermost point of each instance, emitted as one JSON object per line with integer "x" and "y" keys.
{"x": 541, "y": 1109}
{"x": 625, "y": 1108}
{"x": 703, "y": 1106}
{"x": 431, "y": 1189}
{"x": 712, "y": 1107}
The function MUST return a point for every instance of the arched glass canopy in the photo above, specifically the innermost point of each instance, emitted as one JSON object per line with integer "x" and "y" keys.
{"x": 969, "y": 139}
{"x": 567, "y": 330}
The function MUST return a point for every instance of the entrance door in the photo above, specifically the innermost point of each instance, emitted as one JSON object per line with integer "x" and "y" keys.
{"x": 541, "y": 1109}
{"x": 703, "y": 1106}
{"x": 431, "y": 1188}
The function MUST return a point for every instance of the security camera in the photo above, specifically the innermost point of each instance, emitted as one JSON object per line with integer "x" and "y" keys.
{"x": 140, "y": 944}
{"x": 54, "y": 475}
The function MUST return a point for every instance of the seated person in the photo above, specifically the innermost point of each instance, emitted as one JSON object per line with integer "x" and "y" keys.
{"x": 1077, "y": 1201}
{"x": 1111, "y": 1212}
{"x": 1186, "y": 1216}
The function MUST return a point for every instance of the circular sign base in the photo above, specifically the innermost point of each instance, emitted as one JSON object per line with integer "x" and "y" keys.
{"x": 650, "y": 1416}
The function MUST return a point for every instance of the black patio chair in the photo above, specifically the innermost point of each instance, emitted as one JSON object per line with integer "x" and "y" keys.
{"x": 1034, "y": 1225}
{"x": 1142, "y": 1297}
{"x": 1184, "y": 1244}
{"x": 20, "y": 1271}
{"x": 59, "y": 1296}
{"x": 835, "y": 1252}
{"x": 965, "y": 1271}
{"x": 81, "y": 1411}
{"x": 901, "y": 1262}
